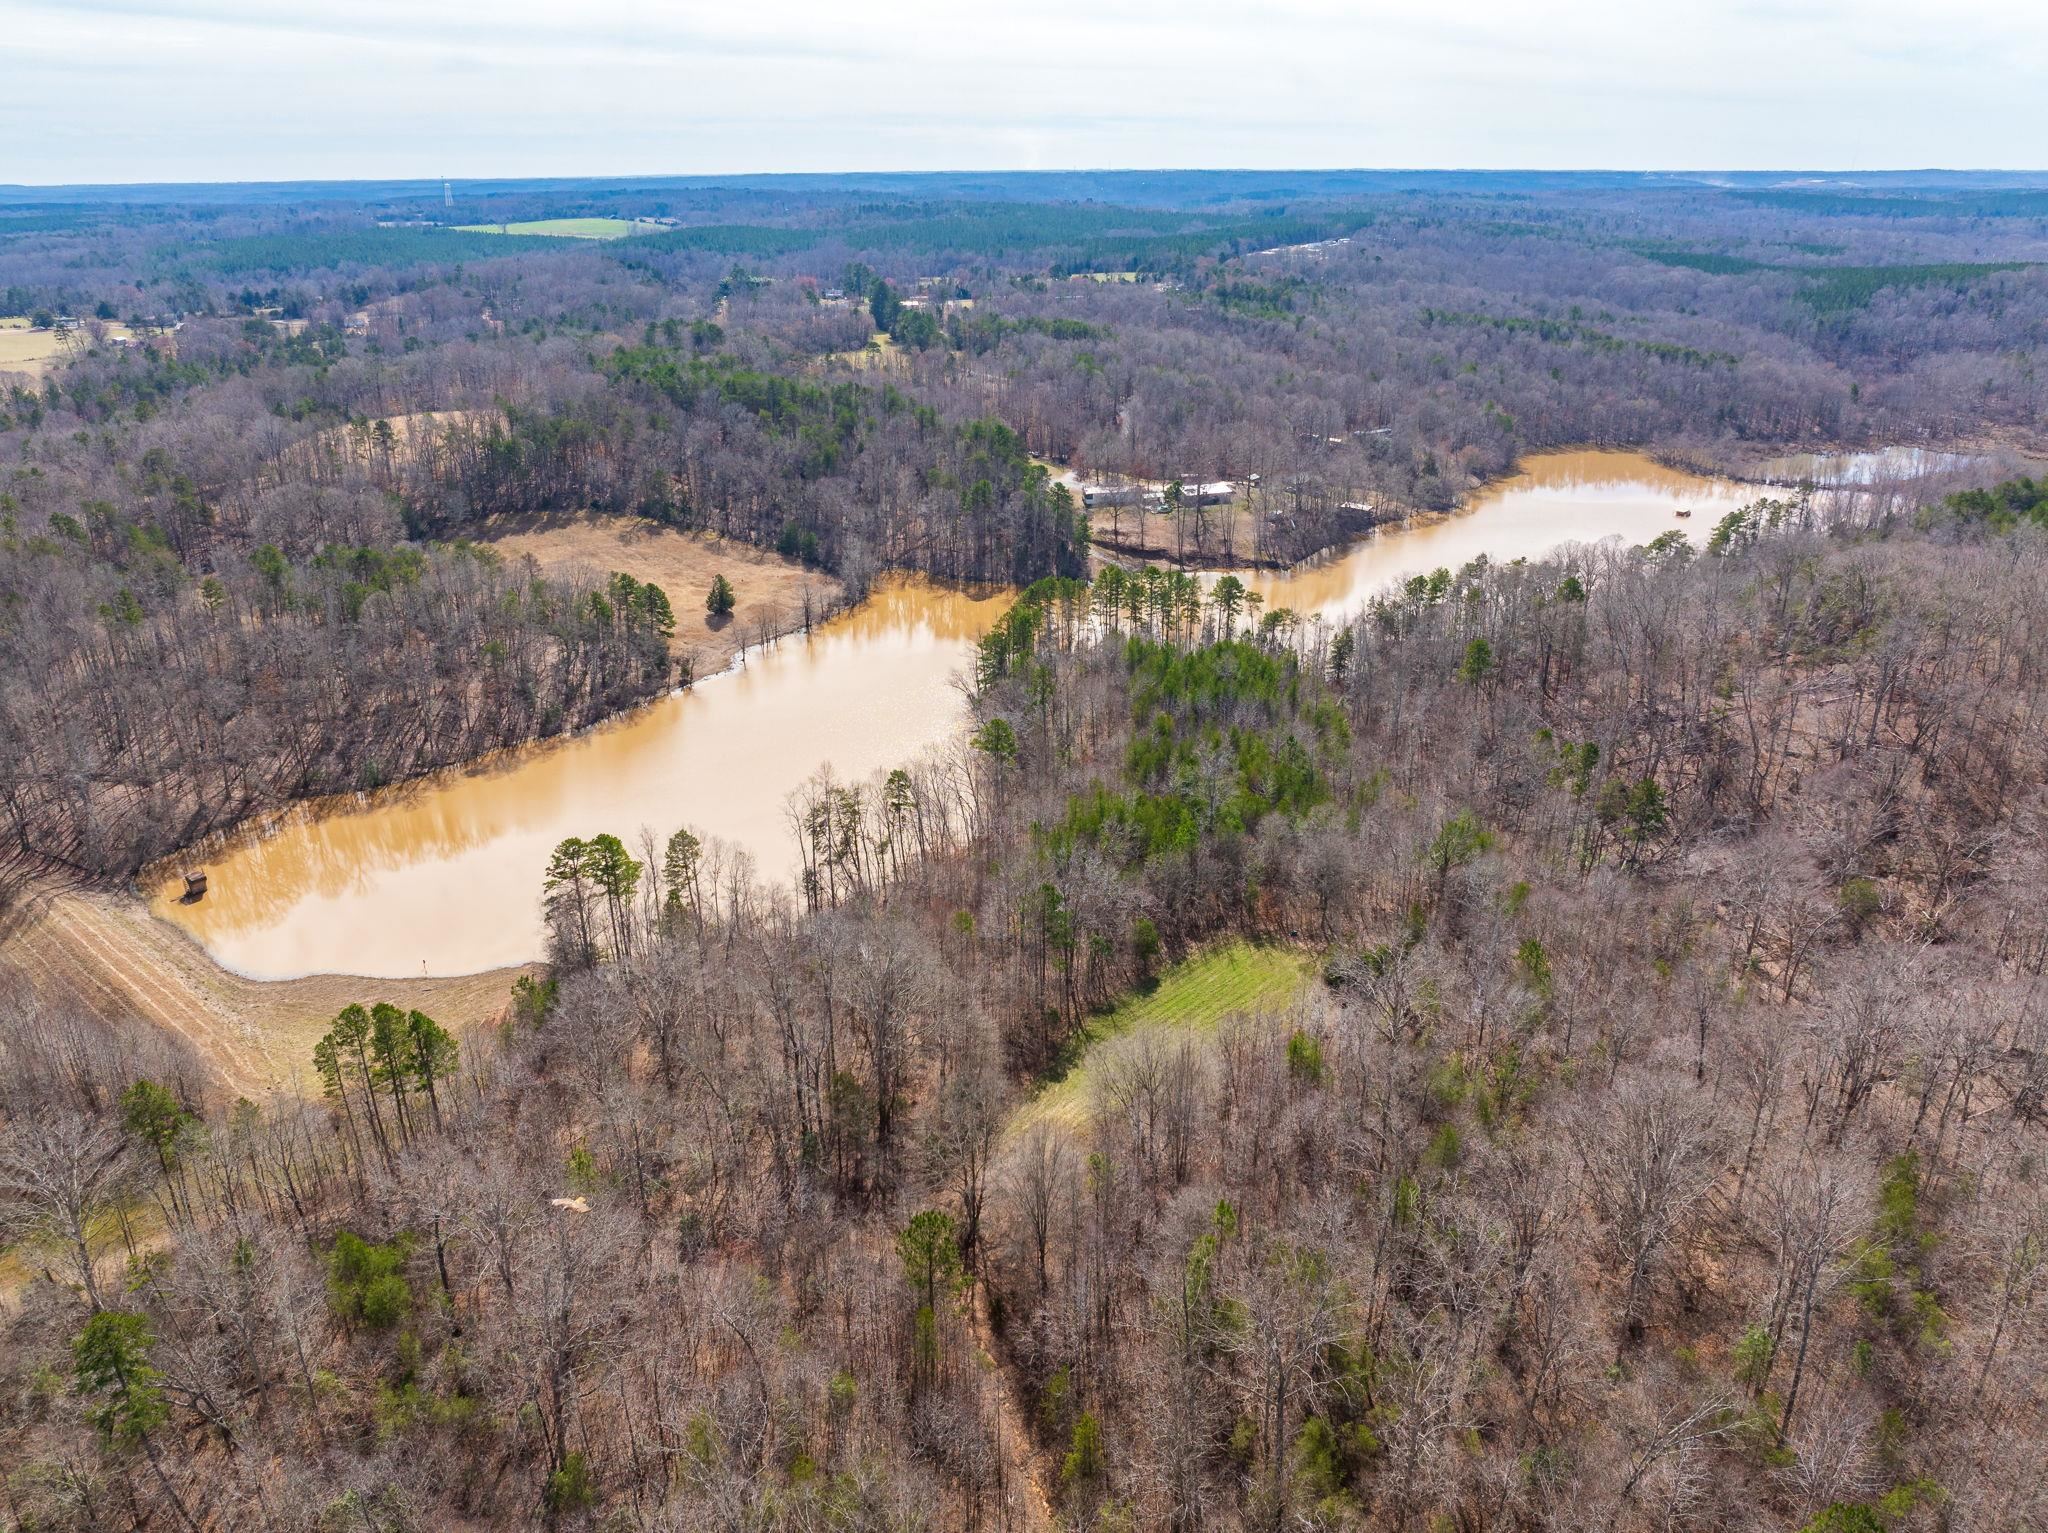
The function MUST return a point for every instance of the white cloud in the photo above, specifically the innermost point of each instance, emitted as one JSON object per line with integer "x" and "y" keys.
{"x": 133, "y": 90}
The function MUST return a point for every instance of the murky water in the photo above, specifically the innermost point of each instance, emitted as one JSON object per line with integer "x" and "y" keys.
{"x": 1560, "y": 497}
{"x": 1853, "y": 469}
{"x": 443, "y": 876}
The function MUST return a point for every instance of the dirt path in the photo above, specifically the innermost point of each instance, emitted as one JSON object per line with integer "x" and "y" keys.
{"x": 1026, "y": 1507}
{"x": 105, "y": 951}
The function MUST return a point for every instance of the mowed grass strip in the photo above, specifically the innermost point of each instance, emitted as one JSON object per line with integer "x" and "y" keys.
{"x": 563, "y": 228}
{"x": 1194, "y": 995}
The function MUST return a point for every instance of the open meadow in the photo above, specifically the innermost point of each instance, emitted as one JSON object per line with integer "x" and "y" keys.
{"x": 567, "y": 228}
{"x": 24, "y": 349}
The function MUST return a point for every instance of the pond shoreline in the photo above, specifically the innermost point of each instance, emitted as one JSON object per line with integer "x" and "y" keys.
{"x": 355, "y": 878}
{"x": 1129, "y": 555}
{"x": 441, "y": 874}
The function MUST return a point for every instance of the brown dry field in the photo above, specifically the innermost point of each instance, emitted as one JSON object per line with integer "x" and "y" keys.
{"x": 770, "y": 588}
{"x": 107, "y": 953}
{"x": 349, "y": 444}
{"x": 881, "y": 352}
{"x": 406, "y": 430}
{"x": 23, "y": 350}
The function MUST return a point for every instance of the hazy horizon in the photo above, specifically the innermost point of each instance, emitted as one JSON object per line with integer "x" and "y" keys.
{"x": 1870, "y": 177}
{"x": 134, "y": 92}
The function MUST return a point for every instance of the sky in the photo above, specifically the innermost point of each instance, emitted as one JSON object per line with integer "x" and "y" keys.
{"x": 230, "y": 90}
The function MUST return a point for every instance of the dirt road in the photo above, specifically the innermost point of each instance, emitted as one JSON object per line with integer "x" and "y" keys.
{"x": 1026, "y": 1507}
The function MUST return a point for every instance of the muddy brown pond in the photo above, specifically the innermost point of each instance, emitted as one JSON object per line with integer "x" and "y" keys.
{"x": 442, "y": 876}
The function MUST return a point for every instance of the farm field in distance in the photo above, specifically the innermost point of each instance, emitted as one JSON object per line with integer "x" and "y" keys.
{"x": 567, "y": 228}
{"x": 24, "y": 349}
{"x": 27, "y": 349}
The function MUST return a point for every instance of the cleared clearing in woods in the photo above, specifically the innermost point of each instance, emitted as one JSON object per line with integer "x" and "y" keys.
{"x": 880, "y": 351}
{"x": 1237, "y": 978}
{"x": 27, "y": 350}
{"x": 770, "y": 588}
{"x": 566, "y": 228}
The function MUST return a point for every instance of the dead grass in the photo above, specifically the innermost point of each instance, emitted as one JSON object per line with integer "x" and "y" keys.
{"x": 134, "y": 1230}
{"x": 23, "y": 350}
{"x": 34, "y": 352}
{"x": 880, "y": 352}
{"x": 771, "y": 589}
{"x": 108, "y": 954}
{"x": 1070, "y": 477}
{"x": 358, "y": 445}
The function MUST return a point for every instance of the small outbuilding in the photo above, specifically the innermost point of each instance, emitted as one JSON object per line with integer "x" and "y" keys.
{"x": 195, "y": 884}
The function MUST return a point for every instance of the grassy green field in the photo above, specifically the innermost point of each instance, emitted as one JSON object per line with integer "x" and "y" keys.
{"x": 564, "y": 228}
{"x": 1193, "y": 995}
